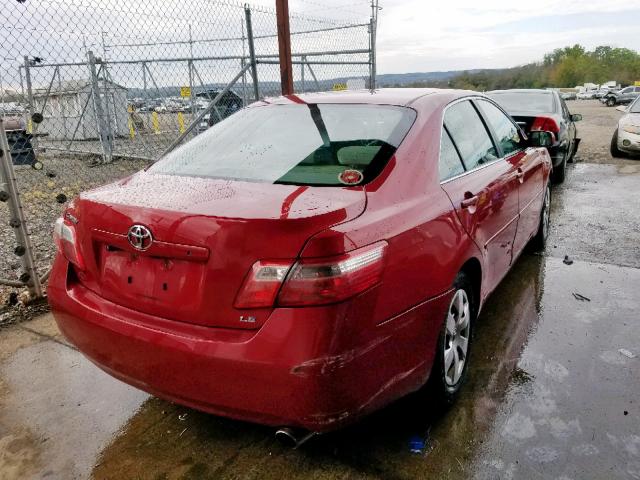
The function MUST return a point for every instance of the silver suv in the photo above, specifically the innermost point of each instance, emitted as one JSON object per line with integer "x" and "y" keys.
{"x": 624, "y": 96}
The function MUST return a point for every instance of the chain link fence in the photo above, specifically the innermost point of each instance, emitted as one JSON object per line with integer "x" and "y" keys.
{"x": 93, "y": 90}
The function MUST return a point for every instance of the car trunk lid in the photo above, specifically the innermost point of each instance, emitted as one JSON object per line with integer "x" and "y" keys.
{"x": 207, "y": 233}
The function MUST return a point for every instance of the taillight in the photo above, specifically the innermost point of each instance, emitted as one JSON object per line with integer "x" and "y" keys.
{"x": 545, "y": 124}
{"x": 262, "y": 284}
{"x": 312, "y": 281}
{"x": 322, "y": 281}
{"x": 66, "y": 239}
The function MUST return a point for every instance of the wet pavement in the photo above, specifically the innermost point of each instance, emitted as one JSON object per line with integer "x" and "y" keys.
{"x": 553, "y": 390}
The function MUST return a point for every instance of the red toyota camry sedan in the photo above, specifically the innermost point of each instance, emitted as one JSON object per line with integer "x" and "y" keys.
{"x": 307, "y": 260}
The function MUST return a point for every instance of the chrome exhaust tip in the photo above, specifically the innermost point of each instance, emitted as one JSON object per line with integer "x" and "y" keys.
{"x": 291, "y": 438}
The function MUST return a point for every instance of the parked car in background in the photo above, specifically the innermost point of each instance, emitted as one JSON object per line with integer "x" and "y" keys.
{"x": 588, "y": 95}
{"x": 602, "y": 92}
{"x": 569, "y": 95}
{"x": 621, "y": 97}
{"x": 20, "y": 141}
{"x": 307, "y": 260}
{"x": 626, "y": 138}
{"x": 544, "y": 110}
{"x": 603, "y": 99}
{"x": 229, "y": 103}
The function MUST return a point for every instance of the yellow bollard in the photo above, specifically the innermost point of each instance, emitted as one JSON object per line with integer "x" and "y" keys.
{"x": 132, "y": 131}
{"x": 29, "y": 127}
{"x": 155, "y": 122}
{"x": 181, "y": 121}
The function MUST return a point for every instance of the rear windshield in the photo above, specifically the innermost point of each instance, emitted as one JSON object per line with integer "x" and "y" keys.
{"x": 537, "y": 102}
{"x": 307, "y": 144}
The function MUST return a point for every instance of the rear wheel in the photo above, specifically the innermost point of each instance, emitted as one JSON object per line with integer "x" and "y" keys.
{"x": 615, "y": 151}
{"x": 559, "y": 173}
{"x": 574, "y": 150}
{"x": 539, "y": 242}
{"x": 452, "y": 355}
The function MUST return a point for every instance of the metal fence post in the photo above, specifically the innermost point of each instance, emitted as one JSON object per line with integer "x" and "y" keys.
{"x": 372, "y": 53}
{"x": 18, "y": 221}
{"x": 252, "y": 53}
{"x": 30, "y": 106}
{"x": 242, "y": 63}
{"x": 108, "y": 103}
{"x": 97, "y": 108}
{"x": 144, "y": 78}
{"x": 303, "y": 59}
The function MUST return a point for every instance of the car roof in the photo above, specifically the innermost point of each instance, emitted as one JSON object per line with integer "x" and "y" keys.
{"x": 382, "y": 96}
{"x": 522, "y": 90}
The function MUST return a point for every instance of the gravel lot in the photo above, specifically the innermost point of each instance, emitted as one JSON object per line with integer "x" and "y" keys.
{"x": 65, "y": 175}
{"x": 596, "y": 130}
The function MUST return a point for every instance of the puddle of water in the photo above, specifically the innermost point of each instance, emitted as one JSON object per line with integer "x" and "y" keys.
{"x": 60, "y": 411}
{"x": 544, "y": 396}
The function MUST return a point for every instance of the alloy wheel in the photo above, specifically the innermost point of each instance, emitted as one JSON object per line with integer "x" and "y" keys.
{"x": 546, "y": 214}
{"x": 456, "y": 338}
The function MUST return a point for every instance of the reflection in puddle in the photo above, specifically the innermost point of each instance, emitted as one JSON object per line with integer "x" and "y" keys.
{"x": 157, "y": 443}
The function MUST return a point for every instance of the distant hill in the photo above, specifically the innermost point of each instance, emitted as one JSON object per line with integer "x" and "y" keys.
{"x": 402, "y": 79}
{"x": 564, "y": 67}
{"x": 273, "y": 88}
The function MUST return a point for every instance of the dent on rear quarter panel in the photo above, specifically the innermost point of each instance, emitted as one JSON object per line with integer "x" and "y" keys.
{"x": 396, "y": 320}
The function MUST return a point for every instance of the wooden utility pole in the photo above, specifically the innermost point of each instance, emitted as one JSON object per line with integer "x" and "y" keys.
{"x": 284, "y": 46}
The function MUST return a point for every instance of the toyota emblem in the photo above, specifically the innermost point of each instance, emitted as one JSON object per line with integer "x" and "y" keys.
{"x": 140, "y": 237}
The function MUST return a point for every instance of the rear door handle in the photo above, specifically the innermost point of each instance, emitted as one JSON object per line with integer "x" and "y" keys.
{"x": 470, "y": 200}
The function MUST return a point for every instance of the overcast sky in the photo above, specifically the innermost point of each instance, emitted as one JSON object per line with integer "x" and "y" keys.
{"x": 421, "y": 35}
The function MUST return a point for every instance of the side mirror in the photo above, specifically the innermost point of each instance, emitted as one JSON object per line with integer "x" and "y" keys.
{"x": 622, "y": 108}
{"x": 541, "y": 139}
{"x": 576, "y": 117}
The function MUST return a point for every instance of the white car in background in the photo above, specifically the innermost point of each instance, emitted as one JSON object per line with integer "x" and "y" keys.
{"x": 626, "y": 138}
{"x": 587, "y": 95}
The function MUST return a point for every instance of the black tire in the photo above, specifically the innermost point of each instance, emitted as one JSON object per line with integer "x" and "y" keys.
{"x": 611, "y": 102}
{"x": 441, "y": 387}
{"x": 615, "y": 151}
{"x": 539, "y": 241}
{"x": 574, "y": 150}
{"x": 559, "y": 173}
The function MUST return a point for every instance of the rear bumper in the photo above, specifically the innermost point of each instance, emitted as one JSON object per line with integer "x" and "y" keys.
{"x": 296, "y": 370}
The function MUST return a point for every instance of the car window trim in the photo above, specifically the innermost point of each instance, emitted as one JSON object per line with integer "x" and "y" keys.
{"x": 564, "y": 108}
{"x": 489, "y": 127}
{"x": 556, "y": 101}
{"x": 485, "y": 165}
{"x": 455, "y": 147}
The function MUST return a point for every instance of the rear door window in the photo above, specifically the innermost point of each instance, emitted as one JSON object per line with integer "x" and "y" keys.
{"x": 469, "y": 134}
{"x": 505, "y": 130}
{"x": 450, "y": 164}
